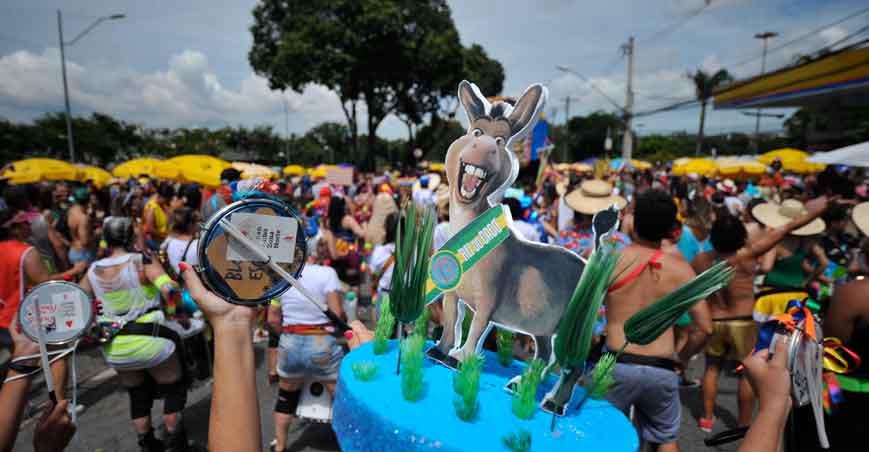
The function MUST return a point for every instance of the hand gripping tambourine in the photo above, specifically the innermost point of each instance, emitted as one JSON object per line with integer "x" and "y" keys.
{"x": 54, "y": 313}
{"x": 254, "y": 250}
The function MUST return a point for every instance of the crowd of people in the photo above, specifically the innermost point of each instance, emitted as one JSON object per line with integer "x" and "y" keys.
{"x": 132, "y": 245}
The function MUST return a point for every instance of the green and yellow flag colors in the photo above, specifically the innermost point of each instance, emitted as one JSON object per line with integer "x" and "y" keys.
{"x": 463, "y": 250}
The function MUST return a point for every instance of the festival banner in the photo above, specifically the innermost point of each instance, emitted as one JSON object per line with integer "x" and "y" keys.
{"x": 463, "y": 250}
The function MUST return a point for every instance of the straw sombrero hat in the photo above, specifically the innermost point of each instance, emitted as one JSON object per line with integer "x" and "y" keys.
{"x": 777, "y": 215}
{"x": 860, "y": 215}
{"x": 592, "y": 196}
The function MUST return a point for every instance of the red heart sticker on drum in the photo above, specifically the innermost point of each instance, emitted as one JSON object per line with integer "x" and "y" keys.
{"x": 69, "y": 323}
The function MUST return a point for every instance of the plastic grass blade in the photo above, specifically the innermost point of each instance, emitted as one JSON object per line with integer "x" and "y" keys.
{"x": 412, "y": 386}
{"x": 384, "y": 329}
{"x": 466, "y": 384}
{"x": 519, "y": 441}
{"x": 576, "y": 328}
{"x": 412, "y": 249}
{"x": 364, "y": 370}
{"x": 525, "y": 396}
{"x": 601, "y": 377}
{"x": 646, "y": 325}
{"x": 505, "y": 339}
{"x": 420, "y": 325}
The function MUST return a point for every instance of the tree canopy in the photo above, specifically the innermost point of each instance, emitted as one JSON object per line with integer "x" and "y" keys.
{"x": 398, "y": 57}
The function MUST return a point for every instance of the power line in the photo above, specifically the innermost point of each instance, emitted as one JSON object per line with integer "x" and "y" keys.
{"x": 801, "y": 37}
{"x": 676, "y": 25}
{"x": 691, "y": 103}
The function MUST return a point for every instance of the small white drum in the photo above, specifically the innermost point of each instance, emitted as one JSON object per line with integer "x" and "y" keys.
{"x": 315, "y": 403}
{"x": 65, "y": 312}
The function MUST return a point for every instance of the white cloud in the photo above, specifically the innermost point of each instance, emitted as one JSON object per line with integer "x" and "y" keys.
{"x": 187, "y": 92}
{"x": 833, "y": 34}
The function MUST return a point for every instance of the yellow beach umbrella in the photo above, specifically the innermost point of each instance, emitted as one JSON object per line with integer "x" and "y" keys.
{"x": 784, "y": 154}
{"x": 701, "y": 167}
{"x": 641, "y": 164}
{"x": 201, "y": 169}
{"x": 251, "y": 170}
{"x": 740, "y": 167}
{"x": 136, "y": 167}
{"x": 294, "y": 170}
{"x": 792, "y": 160}
{"x": 99, "y": 176}
{"x": 29, "y": 171}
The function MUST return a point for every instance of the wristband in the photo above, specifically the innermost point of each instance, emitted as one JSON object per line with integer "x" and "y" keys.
{"x": 162, "y": 280}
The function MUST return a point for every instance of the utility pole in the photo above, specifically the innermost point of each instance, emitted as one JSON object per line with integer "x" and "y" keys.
{"x": 286, "y": 130}
{"x": 764, "y": 36}
{"x": 69, "y": 141}
{"x": 69, "y": 137}
{"x": 627, "y": 141}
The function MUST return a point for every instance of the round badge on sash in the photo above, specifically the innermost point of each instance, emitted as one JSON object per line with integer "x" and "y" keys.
{"x": 240, "y": 274}
{"x": 65, "y": 312}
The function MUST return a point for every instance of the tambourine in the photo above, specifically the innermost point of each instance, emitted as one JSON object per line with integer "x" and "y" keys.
{"x": 246, "y": 276}
{"x": 66, "y": 313}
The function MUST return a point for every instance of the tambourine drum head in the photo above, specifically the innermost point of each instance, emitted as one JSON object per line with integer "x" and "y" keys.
{"x": 66, "y": 312}
{"x": 231, "y": 270}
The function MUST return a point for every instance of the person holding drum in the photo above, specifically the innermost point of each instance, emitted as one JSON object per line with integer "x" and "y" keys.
{"x": 139, "y": 345}
{"x": 21, "y": 266}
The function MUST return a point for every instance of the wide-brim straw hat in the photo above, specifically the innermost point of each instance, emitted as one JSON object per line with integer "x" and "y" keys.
{"x": 860, "y": 215}
{"x": 592, "y": 196}
{"x": 777, "y": 215}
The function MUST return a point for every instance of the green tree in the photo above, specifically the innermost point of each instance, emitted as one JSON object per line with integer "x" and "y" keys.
{"x": 586, "y": 135}
{"x": 704, "y": 85}
{"x": 378, "y": 53}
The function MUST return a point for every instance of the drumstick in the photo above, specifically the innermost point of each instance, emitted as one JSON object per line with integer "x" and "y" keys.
{"x": 43, "y": 354}
{"x": 235, "y": 233}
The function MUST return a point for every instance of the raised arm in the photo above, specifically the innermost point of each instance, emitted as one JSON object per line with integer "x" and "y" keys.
{"x": 772, "y": 236}
{"x": 234, "y": 424}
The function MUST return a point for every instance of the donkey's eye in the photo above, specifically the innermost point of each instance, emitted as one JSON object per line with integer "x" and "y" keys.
{"x": 499, "y": 141}
{"x": 477, "y": 132}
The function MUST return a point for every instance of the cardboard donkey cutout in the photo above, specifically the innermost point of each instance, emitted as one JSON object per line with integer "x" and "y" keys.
{"x": 520, "y": 285}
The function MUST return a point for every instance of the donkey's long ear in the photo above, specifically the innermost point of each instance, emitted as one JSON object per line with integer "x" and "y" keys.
{"x": 527, "y": 109}
{"x": 473, "y": 101}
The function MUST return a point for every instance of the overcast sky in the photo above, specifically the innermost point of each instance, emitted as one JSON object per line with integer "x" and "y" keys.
{"x": 184, "y": 63}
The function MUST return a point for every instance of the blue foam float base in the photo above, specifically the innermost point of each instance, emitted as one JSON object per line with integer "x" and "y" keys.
{"x": 373, "y": 416}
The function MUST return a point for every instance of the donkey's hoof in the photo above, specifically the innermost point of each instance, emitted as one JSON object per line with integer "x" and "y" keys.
{"x": 550, "y": 406}
{"x": 513, "y": 384}
{"x": 458, "y": 354}
{"x": 437, "y": 355}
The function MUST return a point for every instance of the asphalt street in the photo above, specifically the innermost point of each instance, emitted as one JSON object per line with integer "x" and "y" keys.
{"x": 104, "y": 422}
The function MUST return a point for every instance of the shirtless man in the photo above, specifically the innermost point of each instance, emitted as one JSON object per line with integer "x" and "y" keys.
{"x": 81, "y": 247}
{"x": 735, "y": 331}
{"x": 644, "y": 375}
{"x": 848, "y": 320}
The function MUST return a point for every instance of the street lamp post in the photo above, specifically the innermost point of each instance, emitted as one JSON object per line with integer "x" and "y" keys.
{"x": 69, "y": 138}
{"x": 764, "y": 36}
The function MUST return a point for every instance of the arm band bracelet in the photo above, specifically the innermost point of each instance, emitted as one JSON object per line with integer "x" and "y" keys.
{"x": 162, "y": 280}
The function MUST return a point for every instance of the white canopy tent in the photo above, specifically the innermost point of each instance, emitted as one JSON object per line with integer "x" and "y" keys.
{"x": 854, "y": 155}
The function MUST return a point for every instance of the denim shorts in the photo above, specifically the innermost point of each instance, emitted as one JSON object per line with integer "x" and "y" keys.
{"x": 81, "y": 255}
{"x": 316, "y": 355}
{"x": 654, "y": 393}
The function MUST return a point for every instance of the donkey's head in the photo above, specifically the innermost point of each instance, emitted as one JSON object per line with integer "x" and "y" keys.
{"x": 480, "y": 165}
